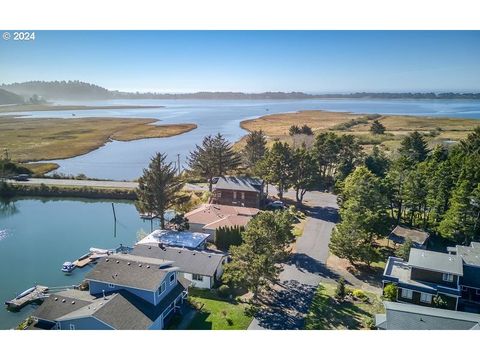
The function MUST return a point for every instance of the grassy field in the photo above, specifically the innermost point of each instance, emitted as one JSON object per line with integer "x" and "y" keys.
{"x": 436, "y": 129}
{"x": 48, "y": 139}
{"x": 215, "y": 313}
{"x": 328, "y": 314}
{"x": 49, "y": 107}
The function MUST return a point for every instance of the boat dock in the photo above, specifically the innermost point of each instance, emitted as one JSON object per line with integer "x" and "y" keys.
{"x": 83, "y": 260}
{"x": 37, "y": 293}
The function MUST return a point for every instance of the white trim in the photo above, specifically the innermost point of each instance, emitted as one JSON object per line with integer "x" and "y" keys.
{"x": 407, "y": 291}
{"x": 447, "y": 277}
{"x": 174, "y": 278}
{"x": 426, "y": 298}
{"x": 72, "y": 326}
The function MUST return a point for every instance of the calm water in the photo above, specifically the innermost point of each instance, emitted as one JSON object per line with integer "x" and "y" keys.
{"x": 125, "y": 160}
{"x": 37, "y": 236}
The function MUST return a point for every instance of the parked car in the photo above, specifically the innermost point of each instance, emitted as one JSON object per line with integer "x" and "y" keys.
{"x": 21, "y": 177}
{"x": 276, "y": 205}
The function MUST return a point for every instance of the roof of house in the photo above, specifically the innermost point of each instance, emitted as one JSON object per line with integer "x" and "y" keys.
{"x": 120, "y": 310}
{"x": 240, "y": 183}
{"x": 214, "y": 216}
{"x": 175, "y": 238}
{"x": 58, "y": 305}
{"x": 129, "y": 271}
{"x": 401, "y": 233}
{"x": 400, "y": 269}
{"x": 401, "y": 316}
{"x": 436, "y": 261}
{"x": 189, "y": 261}
{"x": 470, "y": 254}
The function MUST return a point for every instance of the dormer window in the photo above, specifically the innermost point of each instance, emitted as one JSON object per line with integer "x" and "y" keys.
{"x": 162, "y": 288}
{"x": 447, "y": 277}
{"x": 172, "y": 278}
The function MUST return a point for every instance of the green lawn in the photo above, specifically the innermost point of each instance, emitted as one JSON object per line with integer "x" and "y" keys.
{"x": 326, "y": 314}
{"x": 215, "y": 313}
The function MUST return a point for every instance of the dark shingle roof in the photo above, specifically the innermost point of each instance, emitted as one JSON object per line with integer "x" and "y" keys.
{"x": 190, "y": 261}
{"x": 56, "y": 306}
{"x": 240, "y": 183}
{"x": 401, "y": 316}
{"x": 130, "y": 271}
{"x": 435, "y": 261}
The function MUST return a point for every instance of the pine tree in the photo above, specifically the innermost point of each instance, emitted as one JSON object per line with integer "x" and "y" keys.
{"x": 377, "y": 128}
{"x": 414, "y": 147}
{"x": 158, "y": 188}
{"x": 255, "y": 148}
{"x": 304, "y": 174}
{"x": 215, "y": 157}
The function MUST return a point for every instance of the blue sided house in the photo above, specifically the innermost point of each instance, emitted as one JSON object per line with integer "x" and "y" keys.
{"x": 126, "y": 292}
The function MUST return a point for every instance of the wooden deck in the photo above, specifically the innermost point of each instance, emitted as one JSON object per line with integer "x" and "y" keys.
{"x": 38, "y": 294}
{"x": 83, "y": 261}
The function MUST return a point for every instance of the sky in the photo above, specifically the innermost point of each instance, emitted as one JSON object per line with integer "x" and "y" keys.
{"x": 249, "y": 61}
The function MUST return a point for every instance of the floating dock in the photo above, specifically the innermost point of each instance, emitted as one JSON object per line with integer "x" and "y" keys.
{"x": 83, "y": 260}
{"x": 37, "y": 293}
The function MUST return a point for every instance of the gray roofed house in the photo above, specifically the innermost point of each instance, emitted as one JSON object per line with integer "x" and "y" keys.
{"x": 126, "y": 270}
{"x": 203, "y": 268}
{"x": 240, "y": 183}
{"x": 60, "y": 304}
{"x": 402, "y": 233}
{"x": 400, "y": 316}
{"x": 470, "y": 281}
{"x": 436, "y": 261}
{"x": 470, "y": 254}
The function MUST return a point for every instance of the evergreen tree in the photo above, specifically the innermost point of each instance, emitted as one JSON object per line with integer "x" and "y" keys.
{"x": 414, "y": 147}
{"x": 304, "y": 174}
{"x": 159, "y": 187}
{"x": 277, "y": 166}
{"x": 255, "y": 148}
{"x": 377, "y": 127}
{"x": 377, "y": 162}
{"x": 215, "y": 157}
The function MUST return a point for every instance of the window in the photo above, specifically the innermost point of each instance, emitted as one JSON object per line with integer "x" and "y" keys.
{"x": 72, "y": 327}
{"x": 234, "y": 194}
{"x": 243, "y": 195}
{"x": 219, "y": 194}
{"x": 447, "y": 277}
{"x": 426, "y": 298}
{"x": 464, "y": 288}
{"x": 197, "y": 277}
{"x": 172, "y": 278}
{"x": 162, "y": 288}
{"x": 111, "y": 286}
{"x": 407, "y": 294}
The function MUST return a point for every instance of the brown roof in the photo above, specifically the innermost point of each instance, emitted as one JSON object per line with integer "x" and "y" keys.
{"x": 214, "y": 216}
{"x": 401, "y": 233}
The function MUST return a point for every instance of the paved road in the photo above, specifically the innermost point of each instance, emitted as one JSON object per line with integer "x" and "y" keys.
{"x": 93, "y": 183}
{"x": 301, "y": 275}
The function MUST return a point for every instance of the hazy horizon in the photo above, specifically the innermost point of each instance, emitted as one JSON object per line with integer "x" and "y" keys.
{"x": 313, "y": 62}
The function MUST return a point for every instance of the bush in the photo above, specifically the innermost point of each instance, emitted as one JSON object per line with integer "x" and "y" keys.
{"x": 359, "y": 294}
{"x": 224, "y": 290}
{"x": 403, "y": 251}
{"x": 439, "y": 302}
{"x": 228, "y": 236}
{"x": 390, "y": 292}
{"x": 251, "y": 310}
{"x": 340, "y": 291}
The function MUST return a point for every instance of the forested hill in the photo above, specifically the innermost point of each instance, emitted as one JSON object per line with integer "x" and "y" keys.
{"x": 77, "y": 90}
{"x": 6, "y": 97}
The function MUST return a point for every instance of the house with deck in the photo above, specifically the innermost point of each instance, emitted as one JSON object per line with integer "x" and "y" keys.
{"x": 203, "y": 268}
{"x": 425, "y": 275}
{"x": 208, "y": 218}
{"x": 402, "y": 316}
{"x": 125, "y": 292}
{"x": 174, "y": 238}
{"x": 241, "y": 191}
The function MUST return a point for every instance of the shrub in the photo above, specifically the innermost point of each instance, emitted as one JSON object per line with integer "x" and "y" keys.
{"x": 359, "y": 294}
{"x": 390, "y": 292}
{"x": 439, "y": 302}
{"x": 340, "y": 290}
{"x": 404, "y": 250}
{"x": 224, "y": 290}
{"x": 228, "y": 236}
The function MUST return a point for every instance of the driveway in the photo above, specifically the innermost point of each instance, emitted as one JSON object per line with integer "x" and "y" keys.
{"x": 290, "y": 300}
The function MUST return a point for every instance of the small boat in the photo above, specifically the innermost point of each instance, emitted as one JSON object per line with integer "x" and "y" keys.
{"x": 25, "y": 293}
{"x": 100, "y": 251}
{"x": 68, "y": 267}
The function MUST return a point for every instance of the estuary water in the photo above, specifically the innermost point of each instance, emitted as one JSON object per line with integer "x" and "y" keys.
{"x": 37, "y": 236}
{"x": 125, "y": 160}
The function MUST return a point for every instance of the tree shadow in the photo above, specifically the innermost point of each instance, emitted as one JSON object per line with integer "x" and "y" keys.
{"x": 199, "y": 321}
{"x": 305, "y": 263}
{"x": 326, "y": 213}
{"x": 286, "y": 306}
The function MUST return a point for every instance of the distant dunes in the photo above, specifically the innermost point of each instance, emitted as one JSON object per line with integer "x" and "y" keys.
{"x": 7, "y": 97}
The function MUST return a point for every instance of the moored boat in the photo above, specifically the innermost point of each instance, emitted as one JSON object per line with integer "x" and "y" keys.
{"x": 68, "y": 267}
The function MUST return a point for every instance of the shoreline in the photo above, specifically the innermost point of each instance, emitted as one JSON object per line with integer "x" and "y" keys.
{"x": 47, "y": 107}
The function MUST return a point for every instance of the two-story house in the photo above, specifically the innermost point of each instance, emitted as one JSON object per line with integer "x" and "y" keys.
{"x": 238, "y": 191}
{"x": 125, "y": 292}
{"x": 425, "y": 275}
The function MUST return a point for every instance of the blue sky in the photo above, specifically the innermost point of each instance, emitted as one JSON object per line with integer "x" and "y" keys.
{"x": 251, "y": 61}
